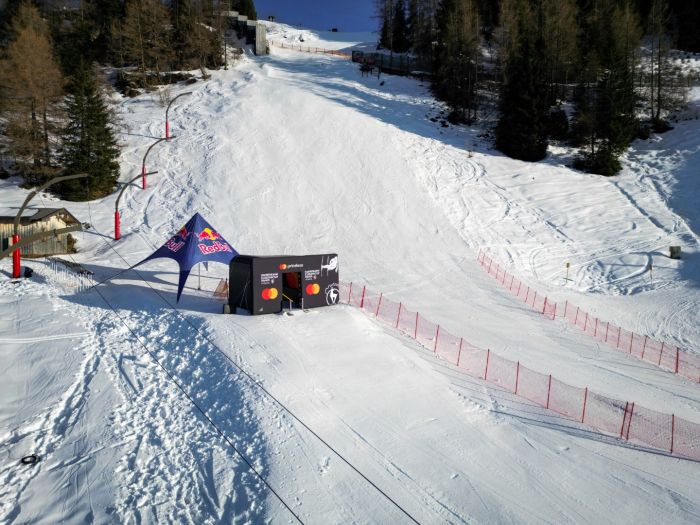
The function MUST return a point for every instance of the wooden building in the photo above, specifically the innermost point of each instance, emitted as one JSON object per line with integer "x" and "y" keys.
{"x": 37, "y": 220}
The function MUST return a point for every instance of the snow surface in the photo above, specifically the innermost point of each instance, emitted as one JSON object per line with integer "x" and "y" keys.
{"x": 297, "y": 153}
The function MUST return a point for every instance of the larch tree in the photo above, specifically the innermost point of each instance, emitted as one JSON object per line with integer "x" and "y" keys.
{"x": 665, "y": 89}
{"x": 145, "y": 36}
{"x": 31, "y": 87}
{"x": 456, "y": 79}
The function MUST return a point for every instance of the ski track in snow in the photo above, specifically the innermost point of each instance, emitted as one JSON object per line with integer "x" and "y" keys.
{"x": 253, "y": 153}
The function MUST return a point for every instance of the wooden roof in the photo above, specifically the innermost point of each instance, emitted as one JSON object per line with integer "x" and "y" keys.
{"x": 39, "y": 215}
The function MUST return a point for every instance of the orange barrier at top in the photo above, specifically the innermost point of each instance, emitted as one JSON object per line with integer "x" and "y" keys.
{"x": 625, "y": 420}
{"x": 659, "y": 353}
{"x": 306, "y": 49}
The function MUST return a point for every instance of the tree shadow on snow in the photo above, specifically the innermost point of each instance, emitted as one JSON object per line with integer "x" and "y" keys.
{"x": 404, "y": 102}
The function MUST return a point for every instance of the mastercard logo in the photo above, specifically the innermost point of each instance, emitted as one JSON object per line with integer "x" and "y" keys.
{"x": 312, "y": 289}
{"x": 283, "y": 266}
{"x": 270, "y": 293}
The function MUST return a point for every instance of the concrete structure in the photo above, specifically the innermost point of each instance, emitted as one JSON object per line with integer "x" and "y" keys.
{"x": 39, "y": 220}
{"x": 254, "y": 33}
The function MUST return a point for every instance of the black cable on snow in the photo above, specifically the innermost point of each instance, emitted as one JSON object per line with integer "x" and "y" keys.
{"x": 263, "y": 389}
{"x": 200, "y": 409}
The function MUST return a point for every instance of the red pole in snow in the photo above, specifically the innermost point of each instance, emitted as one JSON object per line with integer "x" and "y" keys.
{"x": 527, "y": 294}
{"x": 677, "y": 353}
{"x": 437, "y": 334}
{"x": 585, "y": 400}
{"x": 534, "y": 298}
{"x": 459, "y": 354}
{"x": 629, "y": 425}
{"x": 488, "y": 356}
{"x": 585, "y": 323}
{"x": 143, "y": 162}
{"x": 545, "y": 306}
{"x": 566, "y": 305}
{"x": 576, "y": 318}
{"x": 17, "y": 253}
{"x": 595, "y": 331}
{"x": 117, "y": 229}
{"x": 517, "y": 378}
{"x": 520, "y": 283}
{"x": 398, "y": 316}
{"x": 512, "y": 278}
{"x": 631, "y": 341}
{"x": 16, "y": 258}
{"x": 607, "y": 327}
{"x": 379, "y": 304}
{"x": 624, "y": 418}
{"x": 350, "y": 293}
{"x": 549, "y": 390}
{"x": 117, "y": 233}
{"x": 415, "y": 332}
{"x": 673, "y": 430}
{"x": 362, "y": 301}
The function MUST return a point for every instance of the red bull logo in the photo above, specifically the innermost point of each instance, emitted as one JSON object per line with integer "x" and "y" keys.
{"x": 183, "y": 233}
{"x": 178, "y": 240}
{"x": 209, "y": 235}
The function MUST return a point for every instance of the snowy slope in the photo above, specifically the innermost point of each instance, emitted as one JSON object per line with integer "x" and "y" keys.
{"x": 298, "y": 153}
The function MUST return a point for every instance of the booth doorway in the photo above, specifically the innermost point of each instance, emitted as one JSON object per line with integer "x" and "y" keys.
{"x": 291, "y": 288}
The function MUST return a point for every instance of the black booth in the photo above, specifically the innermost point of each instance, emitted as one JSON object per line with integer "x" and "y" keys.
{"x": 265, "y": 285}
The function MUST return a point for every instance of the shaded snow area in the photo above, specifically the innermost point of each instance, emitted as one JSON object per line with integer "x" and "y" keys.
{"x": 147, "y": 411}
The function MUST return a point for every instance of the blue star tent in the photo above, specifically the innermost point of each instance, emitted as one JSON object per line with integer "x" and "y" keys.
{"x": 196, "y": 242}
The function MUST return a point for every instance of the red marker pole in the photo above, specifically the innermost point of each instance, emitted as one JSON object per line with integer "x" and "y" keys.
{"x": 143, "y": 176}
{"x": 167, "y": 130}
{"x": 16, "y": 258}
{"x": 117, "y": 230}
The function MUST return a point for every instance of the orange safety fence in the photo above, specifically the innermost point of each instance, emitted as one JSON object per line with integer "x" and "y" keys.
{"x": 659, "y": 353}
{"x": 309, "y": 49}
{"x": 624, "y": 420}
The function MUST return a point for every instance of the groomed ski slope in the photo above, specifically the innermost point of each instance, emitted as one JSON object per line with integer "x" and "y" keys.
{"x": 297, "y": 153}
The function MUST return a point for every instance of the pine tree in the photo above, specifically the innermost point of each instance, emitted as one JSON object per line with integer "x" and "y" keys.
{"x": 385, "y": 13}
{"x": 246, "y": 8}
{"x": 400, "y": 43}
{"x": 423, "y": 30}
{"x": 89, "y": 145}
{"x": 31, "y": 86}
{"x": 521, "y": 131}
{"x": 605, "y": 117}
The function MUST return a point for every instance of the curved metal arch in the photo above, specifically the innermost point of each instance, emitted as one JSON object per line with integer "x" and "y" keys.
{"x": 127, "y": 184}
{"x": 18, "y": 217}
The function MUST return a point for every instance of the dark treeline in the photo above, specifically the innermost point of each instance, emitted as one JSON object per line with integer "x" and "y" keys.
{"x": 596, "y": 73}
{"x": 54, "y": 118}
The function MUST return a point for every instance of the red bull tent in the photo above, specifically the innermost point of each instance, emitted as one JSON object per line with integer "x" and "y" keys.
{"x": 196, "y": 242}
